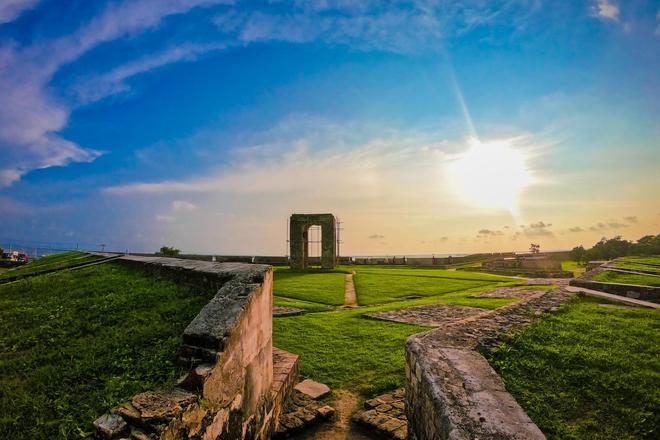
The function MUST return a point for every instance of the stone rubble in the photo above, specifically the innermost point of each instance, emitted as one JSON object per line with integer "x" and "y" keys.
{"x": 385, "y": 415}
{"x": 301, "y": 412}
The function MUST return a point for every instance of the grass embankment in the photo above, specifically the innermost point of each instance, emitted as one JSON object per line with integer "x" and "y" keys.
{"x": 627, "y": 278}
{"x": 346, "y": 351}
{"x": 56, "y": 261}
{"x": 587, "y": 372}
{"x": 383, "y": 285}
{"x": 639, "y": 263}
{"x": 648, "y": 260}
{"x": 75, "y": 343}
{"x": 573, "y": 266}
{"x": 321, "y": 287}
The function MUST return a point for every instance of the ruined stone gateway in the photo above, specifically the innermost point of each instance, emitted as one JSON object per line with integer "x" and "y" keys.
{"x": 299, "y": 225}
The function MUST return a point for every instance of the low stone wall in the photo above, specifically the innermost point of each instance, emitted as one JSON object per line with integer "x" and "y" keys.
{"x": 227, "y": 392}
{"x": 530, "y": 273}
{"x": 645, "y": 293}
{"x": 451, "y": 391}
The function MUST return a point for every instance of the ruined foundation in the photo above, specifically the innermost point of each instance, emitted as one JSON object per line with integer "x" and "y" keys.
{"x": 230, "y": 391}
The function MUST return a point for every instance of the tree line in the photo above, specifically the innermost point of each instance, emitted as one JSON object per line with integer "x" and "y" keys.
{"x": 606, "y": 249}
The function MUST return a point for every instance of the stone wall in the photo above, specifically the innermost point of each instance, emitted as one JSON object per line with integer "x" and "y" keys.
{"x": 452, "y": 392}
{"x": 227, "y": 349}
{"x": 299, "y": 225}
{"x": 645, "y": 293}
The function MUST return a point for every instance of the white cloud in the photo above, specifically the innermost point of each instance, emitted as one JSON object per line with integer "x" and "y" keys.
{"x": 606, "y": 10}
{"x": 363, "y": 175}
{"x": 182, "y": 205}
{"x": 10, "y": 10}
{"x": 113, "y": 82}
{"x": 31, "y": 116}
{"x": 161, "y": 218}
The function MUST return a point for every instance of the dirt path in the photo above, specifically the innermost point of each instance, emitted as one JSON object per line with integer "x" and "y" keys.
{"x": 340, "y": 428}
{"x": 350, "y": 298}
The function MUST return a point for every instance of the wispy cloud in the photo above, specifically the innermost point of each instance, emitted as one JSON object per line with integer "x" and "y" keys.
{"x": 97, "y": 87}
{"x": 376, "y": 237}
{"x": 489, "y": 232}
{"x": 537, "y": 229}
{"x": 606, "y": 10}
{"x": 183, "y": 205}
{"x": 10, "y": 10}
{"x": 31, "y": 116}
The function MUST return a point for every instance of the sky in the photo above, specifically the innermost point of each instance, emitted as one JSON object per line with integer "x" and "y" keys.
{"x": 425, "y": 126}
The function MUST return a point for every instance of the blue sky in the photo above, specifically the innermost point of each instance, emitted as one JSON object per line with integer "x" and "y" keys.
{"x": 204, "y": 124}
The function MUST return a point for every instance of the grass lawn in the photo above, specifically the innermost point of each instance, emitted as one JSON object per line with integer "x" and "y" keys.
{"x": 573, "y": 266}
{"x": 376, "y": 288}
{"x": 587, "y": 372}
{"x": 649, "y": 260}
{"x": 432, "y": 273}
{"x": 321, "y": 287}
{"x": 348, "y": 352}
{"x": 627, "y": 278}
{"x": 305, "y": 305}
{"x": 636, "y": 263}
{"x": 345, "y": 351}
{"x": 75, "y": 343}
{"x": 55, "y": 261}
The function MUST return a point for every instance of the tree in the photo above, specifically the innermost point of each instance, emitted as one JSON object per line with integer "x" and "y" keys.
{"x": 169, "y": 251}
{"x": 535, "y": 248}
{"x": 578, "y": 254}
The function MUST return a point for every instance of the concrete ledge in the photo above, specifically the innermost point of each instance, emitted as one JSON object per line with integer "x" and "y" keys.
{"x": 644, "y": 293}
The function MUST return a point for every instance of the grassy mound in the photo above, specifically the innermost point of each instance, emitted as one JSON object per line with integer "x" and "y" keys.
{"x": 73, "y": 344}
{"x": 50, "y": 262}
{"x": 587, "y": 372}
{"x": 627, "y": 278}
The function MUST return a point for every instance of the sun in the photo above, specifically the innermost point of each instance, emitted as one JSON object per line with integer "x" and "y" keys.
{"x": 490, "y": 174}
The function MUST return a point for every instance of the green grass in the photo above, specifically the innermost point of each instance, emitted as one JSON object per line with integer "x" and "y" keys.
{"x": 433, "y": 273}
{"x": 587, "y": 372}
{"x": 636, "y": 266}
{"x": 376, "y": 288}
{"x": 573, "y": 266}
{"x": 321, "y": 287}
{"x": 636, "y": 263}
{"x": 56, "y": 261}
{"x": 627, "y": 278}
{"x": 305, "y": 305}
{"x": 649, "y": 260}
{"x": 345, "y": 351}
{"x": 75, "y": 343}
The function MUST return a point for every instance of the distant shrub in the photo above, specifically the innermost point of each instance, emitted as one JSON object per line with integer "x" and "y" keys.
{"x": 606, "y": 249}
{"x": 169, "y": 251}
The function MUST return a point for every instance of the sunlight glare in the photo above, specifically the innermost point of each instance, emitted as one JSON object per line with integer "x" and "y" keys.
{"x": 490, "y": 174}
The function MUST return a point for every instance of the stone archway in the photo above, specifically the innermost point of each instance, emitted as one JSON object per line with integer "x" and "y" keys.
{"x": 299, "y": 225}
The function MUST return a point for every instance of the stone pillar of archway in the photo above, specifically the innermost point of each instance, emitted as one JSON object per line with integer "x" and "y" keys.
{"x": 298, "y": 239}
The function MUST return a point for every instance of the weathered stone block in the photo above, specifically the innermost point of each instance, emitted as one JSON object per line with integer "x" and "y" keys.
{"x": 314, "y": 390}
